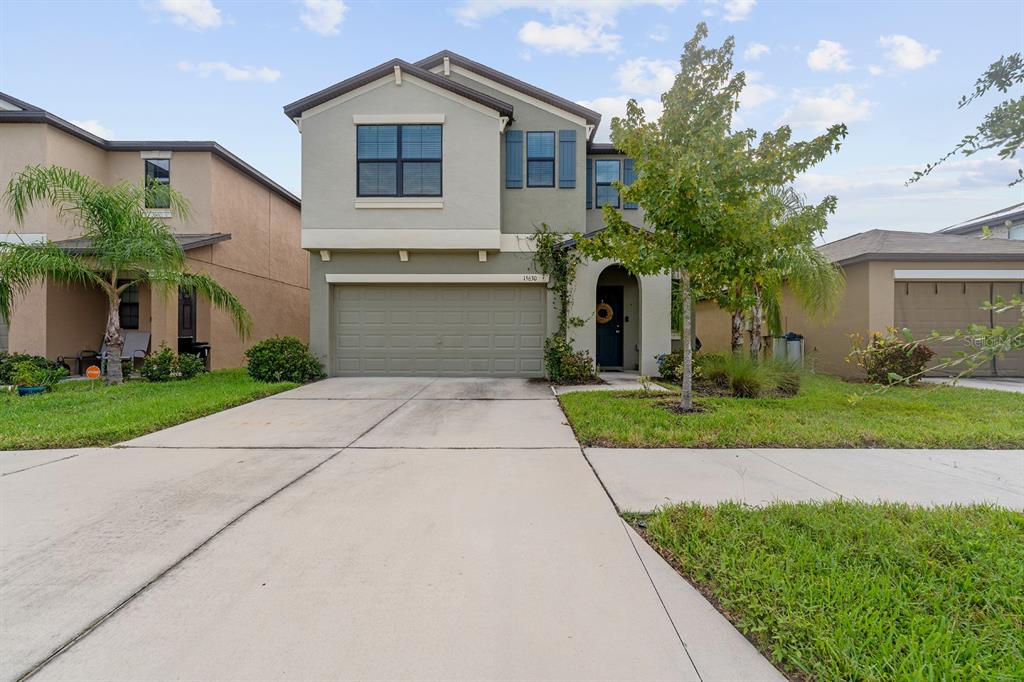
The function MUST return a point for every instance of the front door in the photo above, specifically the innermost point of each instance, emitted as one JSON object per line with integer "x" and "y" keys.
{"x": 608, "y": 316}
{"x": 186, "y": 315}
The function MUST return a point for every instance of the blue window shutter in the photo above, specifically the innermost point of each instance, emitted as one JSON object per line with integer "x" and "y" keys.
{"x": 590, "y": 183}
{"x": 628, "y": 176}
{"x": 514, "y": 159}
{"x": 567, "y": 159}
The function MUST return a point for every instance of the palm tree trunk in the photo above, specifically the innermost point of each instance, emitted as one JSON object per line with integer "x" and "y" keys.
{"x": 686, "y": 385}
{"x": 756, "y": 322}
{"x": 114, "y": 341}
{"x": 736, "y": 341}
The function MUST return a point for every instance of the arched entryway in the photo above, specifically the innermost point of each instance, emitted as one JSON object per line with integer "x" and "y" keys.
{"x": 617, "y": 319}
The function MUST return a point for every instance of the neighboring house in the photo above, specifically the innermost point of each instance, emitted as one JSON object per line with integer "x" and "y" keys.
{"x": 914, "y": 280}
{"x": 244, "y": 232}
{"x": 1007, "y": 223}
{"x": 422, "y": 186}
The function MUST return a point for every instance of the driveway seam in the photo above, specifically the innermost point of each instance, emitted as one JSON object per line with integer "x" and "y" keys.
{"x": 36, "y": 466}
{"x": 796, "y": 473}
{"x": 91, "y": 627}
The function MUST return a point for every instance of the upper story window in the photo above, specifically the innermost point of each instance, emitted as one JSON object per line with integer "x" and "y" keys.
{"x": 605, "y": 173}
{"x": 158, "y": 172}
{"x": 540, "y": 159}
{"x": 398, "y": 160}
{"x": 1016, "y": 232}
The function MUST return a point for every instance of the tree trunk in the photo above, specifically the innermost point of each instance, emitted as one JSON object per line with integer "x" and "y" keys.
{"x": 756, "y": 318}
{"x": 737, "y": 331}
{"x": 114, "y": 341}
{"x": 686, "y": 387}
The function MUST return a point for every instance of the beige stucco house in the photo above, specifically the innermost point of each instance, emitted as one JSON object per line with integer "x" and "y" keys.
{"x": 243, "y": 231}
{"x": 422, "y": 186}
{"x": 913, "y": 280}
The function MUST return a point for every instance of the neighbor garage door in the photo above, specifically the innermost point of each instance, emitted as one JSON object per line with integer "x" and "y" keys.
{"x": 3, "y": 337}
{"x": 435, "y": 329}
{"x": 947, "y": 306}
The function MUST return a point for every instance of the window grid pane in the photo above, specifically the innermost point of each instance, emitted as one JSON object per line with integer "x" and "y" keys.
{"x": 607, "y": 171}
{"x": 377, "y": 142}
{"x": 378, "y": 179}
{"x": 540, "y": 145}
{"x": 421, "y": 178}
{"x": 607, "y": 195}
{"x": 421, "y": 142}
{"x": 540, "y": 173}
{"x": 158, "y": 172}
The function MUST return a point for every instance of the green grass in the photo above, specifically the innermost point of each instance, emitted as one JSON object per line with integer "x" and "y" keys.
{"x": 821, "y": 416}
{"x": 854, "y": 591}
{"x": 86, "y": 413}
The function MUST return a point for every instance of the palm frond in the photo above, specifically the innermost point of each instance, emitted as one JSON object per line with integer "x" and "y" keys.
{"x": 817, "y": 282}
{"x": 208, "y": 288}
{"x": 22, "y": 265}
{"x": 65, "y": 189}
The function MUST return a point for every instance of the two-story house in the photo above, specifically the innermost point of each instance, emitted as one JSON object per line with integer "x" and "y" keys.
{"x": 243, "y": 231}
{"x": 422, "y": 187}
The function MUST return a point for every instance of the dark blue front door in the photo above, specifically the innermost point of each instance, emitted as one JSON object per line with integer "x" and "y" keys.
{"x": 608, "y": 318}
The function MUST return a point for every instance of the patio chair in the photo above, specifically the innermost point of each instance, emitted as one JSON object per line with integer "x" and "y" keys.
{"x": 136, "y": 345}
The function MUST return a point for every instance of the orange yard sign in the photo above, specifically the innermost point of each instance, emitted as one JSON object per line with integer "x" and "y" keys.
{"x": 93, "y": 372}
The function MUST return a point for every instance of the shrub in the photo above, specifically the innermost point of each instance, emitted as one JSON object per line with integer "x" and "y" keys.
{"x": 29, "y": 373}
{"x": 892, "y": 358}
{"x": 8, "y": 360}
{"x": 164, "y": 365}
{"x": 283, "y": 358}
{"x": 744, "y": 377}
{"x": 670, "y": 366}
{"x": 564, "y": 365}
{"x": 786, "y": 376}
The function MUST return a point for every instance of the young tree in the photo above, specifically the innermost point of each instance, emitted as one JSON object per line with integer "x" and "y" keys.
{"x": 127, "y": 247}
{"x": 1003, "y": 127}
{"x": 701, "y": 184}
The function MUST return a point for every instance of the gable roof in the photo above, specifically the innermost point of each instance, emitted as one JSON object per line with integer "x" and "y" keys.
{"x": 295, "y": 109}
{"x": 1010, "y": 213}
{"x": 187, "y": 242}
{"x": 28, "y": 113}
{"x": 919, "y": 246}
{"x": 589, "y": 115}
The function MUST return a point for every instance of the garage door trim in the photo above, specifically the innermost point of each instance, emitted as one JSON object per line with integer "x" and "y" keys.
{"x": 521, "y": 278}
{"x": 958, "y": 275}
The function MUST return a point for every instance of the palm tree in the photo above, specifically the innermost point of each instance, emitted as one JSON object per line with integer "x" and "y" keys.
{"x": 126, "y": 247}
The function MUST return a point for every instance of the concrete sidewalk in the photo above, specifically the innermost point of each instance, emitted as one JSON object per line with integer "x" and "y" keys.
{"x": 642, "y": 479}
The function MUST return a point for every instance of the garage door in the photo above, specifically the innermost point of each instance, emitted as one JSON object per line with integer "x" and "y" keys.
{"x": 434, "y": 329}
{"x": 947, "y": 306}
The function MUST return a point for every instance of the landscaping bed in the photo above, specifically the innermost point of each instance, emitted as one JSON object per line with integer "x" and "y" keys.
{"x": 821, "y": 415}
{"x": 855, "y": 591}
{"x": 88, "y": 413}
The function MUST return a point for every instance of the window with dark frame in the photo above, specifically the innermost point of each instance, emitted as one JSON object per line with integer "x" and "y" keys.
{"x": 158, "y": 172}
{"x": 398, "y": 160}
{"x": 128, "y": 310}
{"x": 540, "y": 159}
{"x": 605, "y": 173}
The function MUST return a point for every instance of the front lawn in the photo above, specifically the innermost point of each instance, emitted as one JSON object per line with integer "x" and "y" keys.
{"x": 854, "y": 591}
{"x": 86, "y": 413}
{"x": 821, "y": 416}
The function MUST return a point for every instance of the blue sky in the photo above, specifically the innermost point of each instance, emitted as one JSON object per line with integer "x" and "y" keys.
{"x": 213, "y": 69}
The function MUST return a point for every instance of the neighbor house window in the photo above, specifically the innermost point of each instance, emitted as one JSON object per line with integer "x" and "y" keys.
{"x": 158, "y": 172}
{"x": 540, "y": 159}
{"x": 605, "y": 173}
{"x": 399, "y": 160}
{"x": 128, "y": 310}
{"x": 1016, "y": 232}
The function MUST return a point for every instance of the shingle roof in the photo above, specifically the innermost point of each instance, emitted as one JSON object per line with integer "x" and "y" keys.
{"x": 919, "y": 246}
{"x": 187, "y": 242}
{"x": 1012, "y": 213}
{"x": 29, "y": 113}
{"x": 296, "y": 108}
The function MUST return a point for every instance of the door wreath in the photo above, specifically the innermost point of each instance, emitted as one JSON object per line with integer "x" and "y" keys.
{"x": 604, "y": 313}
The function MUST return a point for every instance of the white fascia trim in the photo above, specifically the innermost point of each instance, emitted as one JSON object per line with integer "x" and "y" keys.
{"x": 23, "y": 238}
{"x": 382, "y": 239}
{"x": 374, "y": 119}
{"x": 156, "y": 154}
{"x": 398, "y": 203}
{"x": 378, "y": 278}
{"x": 958, "y": 274}
{"x": 522, "y": 96}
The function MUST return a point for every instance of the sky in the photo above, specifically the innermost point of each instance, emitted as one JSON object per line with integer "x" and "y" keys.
{"x": 219, "y": 70}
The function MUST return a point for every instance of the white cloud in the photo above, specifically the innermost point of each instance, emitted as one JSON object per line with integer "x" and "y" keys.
{"x": 610, "y": 107}
{"x": 906, "y": 53}
{"x": 576, "y": 26}
{"x": 838, "y": 104}
{"x": 737, "y": 10}
{"x": 659, "y": 33}
{"x": 323, "y": 16}
{"x": 94, "y": 127}
{"x": 230, "y": 72}
{"x": 644, "y": 76}
{"x": 828, "y": 56}
{"x": 197, "y": 14}
{"x": 875, "y": 70}
{"x": 755, "y": 51}
{"x": 756, "y": 93}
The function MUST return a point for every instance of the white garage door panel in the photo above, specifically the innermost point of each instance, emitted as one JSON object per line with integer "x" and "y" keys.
{"x": 486, "y": 329}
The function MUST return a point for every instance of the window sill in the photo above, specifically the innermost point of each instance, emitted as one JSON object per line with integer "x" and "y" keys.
{"x": 400, "y": 202}
{"x": 157, "y": 212}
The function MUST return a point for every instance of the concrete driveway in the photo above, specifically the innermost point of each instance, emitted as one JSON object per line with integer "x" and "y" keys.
{"x": 353, "y": 528}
